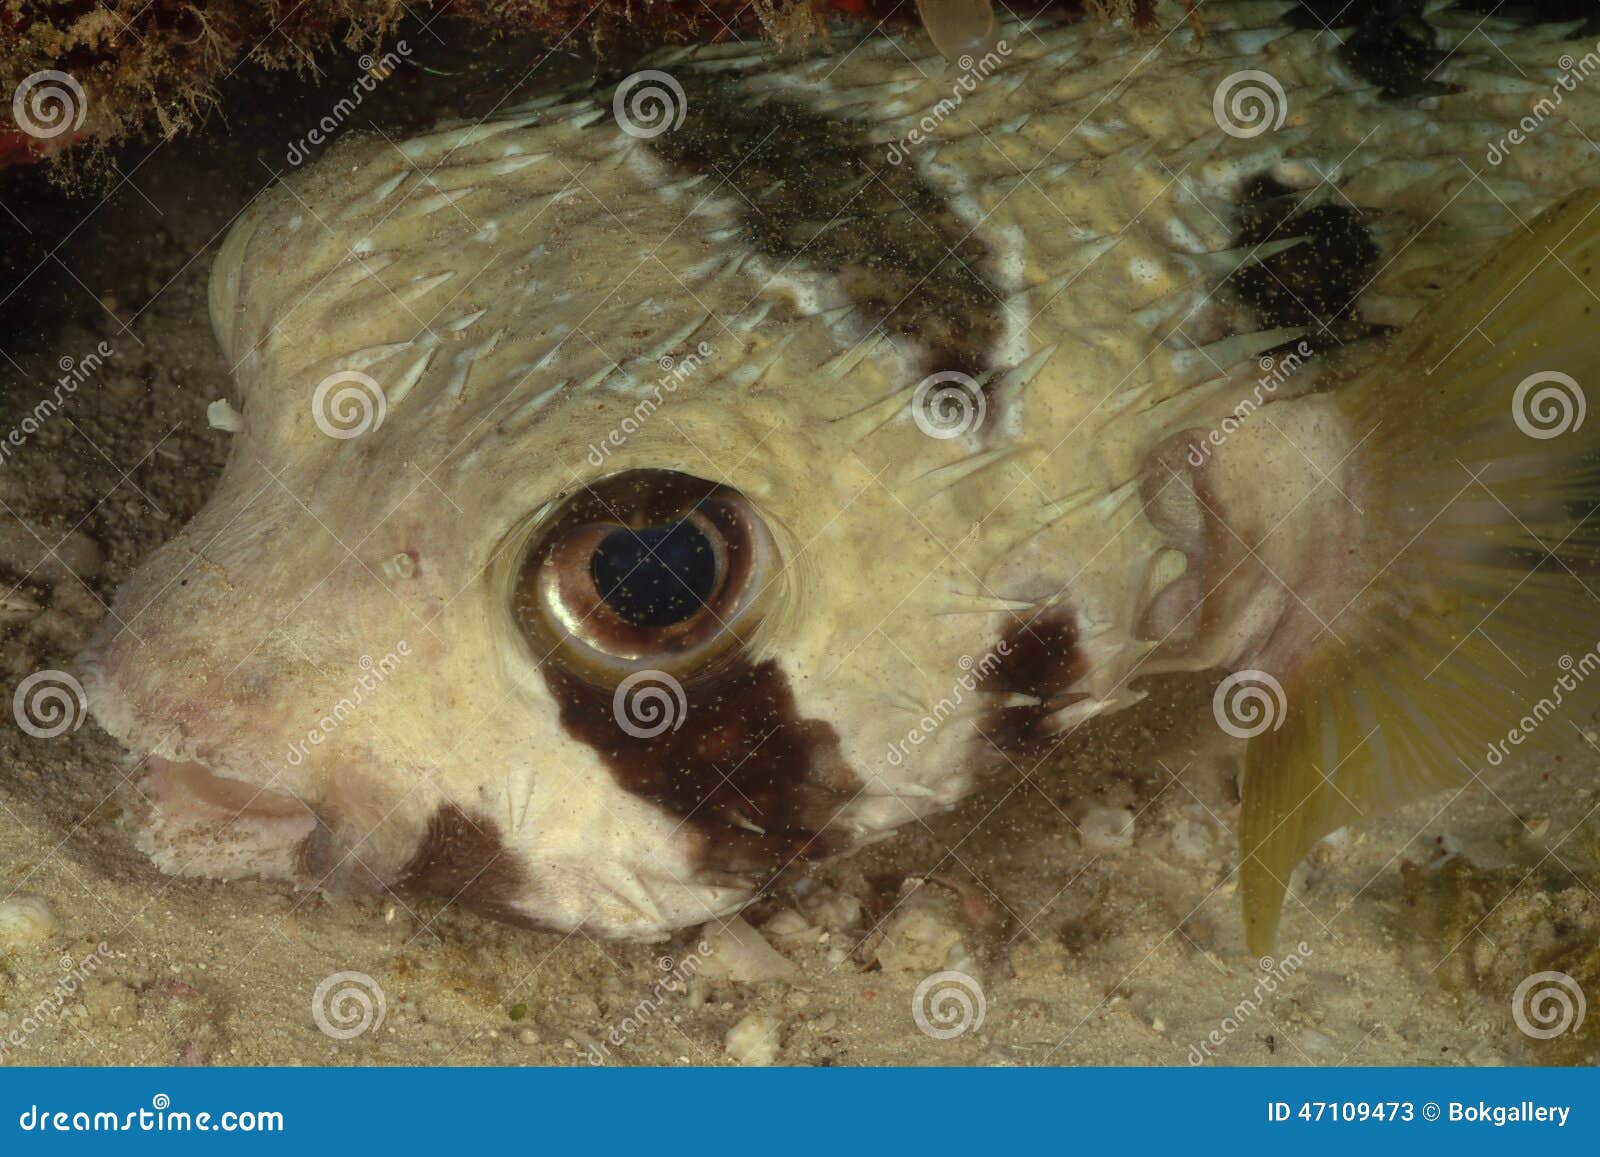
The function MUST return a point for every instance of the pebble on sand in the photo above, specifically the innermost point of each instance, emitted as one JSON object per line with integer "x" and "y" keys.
{"x": 921, "y": 938}
{"x": 25, "y": 922}
{"x": 1106, "y": 829}
{"x": 755, "y": 1040}
{"x": 835, "y": 911}
{"x": 738, "y": 952}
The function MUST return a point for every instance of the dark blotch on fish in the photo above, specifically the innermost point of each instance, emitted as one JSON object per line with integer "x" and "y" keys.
{"x": 1385, "y": 42}
{"x": 740, "y": 759}
{"x": 815, "y": 189}
{"x": 1528, "y": 12}
{"x": 1039, "y": 658}
{"x": 1390, "y": 44}
{"x": 1315, "y": 283}
{"x": 463, "y": 858}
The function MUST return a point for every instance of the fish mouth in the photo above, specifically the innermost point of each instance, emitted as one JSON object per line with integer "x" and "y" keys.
{"x": 199, "y": 807}
{"x": 192, "y": 821}
{"x": 187, "y": 815}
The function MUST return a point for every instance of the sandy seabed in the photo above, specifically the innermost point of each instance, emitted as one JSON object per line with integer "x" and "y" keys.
{"x": 1089, "y": 904}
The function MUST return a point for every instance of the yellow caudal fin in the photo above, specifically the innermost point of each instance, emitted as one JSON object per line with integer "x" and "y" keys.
{"x": 1477, "y": 635}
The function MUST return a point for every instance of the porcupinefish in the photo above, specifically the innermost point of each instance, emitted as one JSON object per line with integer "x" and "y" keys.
{"x": 649, "y": 488}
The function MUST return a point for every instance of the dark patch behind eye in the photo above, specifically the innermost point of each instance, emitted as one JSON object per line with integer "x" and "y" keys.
{"x": 816, "y": 189}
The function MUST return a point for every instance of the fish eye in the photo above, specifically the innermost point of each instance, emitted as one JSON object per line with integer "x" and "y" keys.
{"x": 644, "y": 569}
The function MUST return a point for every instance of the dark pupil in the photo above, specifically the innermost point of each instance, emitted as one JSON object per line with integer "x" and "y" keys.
{"x": 657, "y": 576}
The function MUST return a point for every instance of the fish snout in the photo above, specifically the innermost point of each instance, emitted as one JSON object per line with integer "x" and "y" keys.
{"x": 256, "y": 732}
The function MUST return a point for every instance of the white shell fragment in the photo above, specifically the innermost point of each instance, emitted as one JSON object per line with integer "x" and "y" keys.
{"x": 756, "y": 1040}
{"x": 832, "y": 910}
{"x": 221, "y": 415}
{"x": 739, "y": 953}
{"x": 25, "y": 922}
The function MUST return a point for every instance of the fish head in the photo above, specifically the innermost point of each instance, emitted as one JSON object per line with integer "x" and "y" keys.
{"x": 587, "y": 554}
